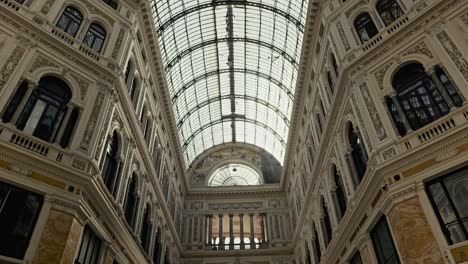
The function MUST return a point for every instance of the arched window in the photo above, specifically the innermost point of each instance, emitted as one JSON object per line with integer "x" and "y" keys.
{"x": 157, "y": 247}
{"x": 95, "y": 37}
{"x": 365, "y": 27}
{"x": 358, "y": 153}
{"x": 70, "y": 21}
{"x": 112, "y": 3}
{"x": 418, "y": 95}
{"x": 146, "y": 229}
{"x": 131, "y": 201}
{"x": 341, "y": 200}
{"x": 389, "y": 10}
{"x": 45, "y": 109}
{"x": 110, "y": 165}
{"x": 326, "y": 223}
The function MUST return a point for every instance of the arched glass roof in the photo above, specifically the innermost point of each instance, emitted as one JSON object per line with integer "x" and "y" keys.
{"x": 231, "y": 67}
{"x": 235, "y": 175}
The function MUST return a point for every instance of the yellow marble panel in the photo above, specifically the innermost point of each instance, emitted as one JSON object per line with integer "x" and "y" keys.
{"x": 460, "y": 254}
{"x": 413, "y": 235}
{"x": 59, "y": 240}
{"x": 48, "y": 180}
{"x": 418, "y": 168}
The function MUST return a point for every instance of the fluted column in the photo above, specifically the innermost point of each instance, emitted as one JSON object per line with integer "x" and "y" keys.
{"x": 220, "y": 228}
{"x": 241, "y": 230}
{"x": 252, "y": 233}
{"x": 231, "y": 232}
{"x": 31, "y": 86}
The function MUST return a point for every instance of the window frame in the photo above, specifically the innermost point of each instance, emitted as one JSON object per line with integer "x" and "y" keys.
{"x": 73, "y": 19}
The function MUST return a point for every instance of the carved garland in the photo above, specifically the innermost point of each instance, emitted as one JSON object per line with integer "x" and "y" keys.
{"x": 10, "y": 65}
{"x": 376, "y": 120}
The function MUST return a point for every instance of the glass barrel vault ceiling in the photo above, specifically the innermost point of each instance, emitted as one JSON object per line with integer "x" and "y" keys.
{"x": 231, "y": 67}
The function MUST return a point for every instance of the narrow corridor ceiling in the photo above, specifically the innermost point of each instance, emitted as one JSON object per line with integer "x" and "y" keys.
{"x": 231, "y": 67}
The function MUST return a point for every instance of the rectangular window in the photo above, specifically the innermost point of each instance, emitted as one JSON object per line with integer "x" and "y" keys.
{"x": 19, "y": 210}
{"x": 89, "y": 249}
{"x": 383, "y": 243}
{"x": 356, "y": 259}
{"x": 448, "y": 196}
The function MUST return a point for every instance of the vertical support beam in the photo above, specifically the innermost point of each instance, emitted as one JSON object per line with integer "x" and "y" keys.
{"x": 252, "y": 233}
{"x": 231, "y": 232}
{"x": 221, "y": 238}
{"x": 210, "y": 229}
{"x": 262, "y": 228}
{"x": 241, "y": 227}
{"x": 400, "y": 111}
{"x": 441, "y": 88}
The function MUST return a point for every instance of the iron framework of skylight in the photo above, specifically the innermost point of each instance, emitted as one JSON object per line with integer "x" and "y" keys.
{"x": 231, "y": 68}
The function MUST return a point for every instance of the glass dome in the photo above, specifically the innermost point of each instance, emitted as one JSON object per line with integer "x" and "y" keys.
{"x": 235, "y": 175}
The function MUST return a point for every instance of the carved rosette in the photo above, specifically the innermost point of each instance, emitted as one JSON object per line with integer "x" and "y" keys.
{"x": 10, "y": 65}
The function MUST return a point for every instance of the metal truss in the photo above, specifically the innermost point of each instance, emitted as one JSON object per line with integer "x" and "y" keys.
{"x": 215, "y": 3}
{"x": 238, "y": 70}
{"x": 237, "y": 96}
{"x": 193, "y": 48}
{"x": 238, "y": 118}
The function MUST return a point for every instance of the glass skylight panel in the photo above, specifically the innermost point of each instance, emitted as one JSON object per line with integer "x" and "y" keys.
{"x": 202, "y": 51}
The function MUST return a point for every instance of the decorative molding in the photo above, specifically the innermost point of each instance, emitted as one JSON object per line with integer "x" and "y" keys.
{"x": 454, "y": 53}
{"x": 118, "y": 44}
{"x": 41, "y": 62}
{"x": 380, "y": 73}
{"x": 371, "y": 109}
{"x": 89, "y": 131}
{"x": 389, "y": 153}
{"x": 82, "y": 84}
{"x": 420, "y": 48}
{"x": 342, "y": 35}
{"x": 10, "y": 65}
{"x": 47, "y": 6}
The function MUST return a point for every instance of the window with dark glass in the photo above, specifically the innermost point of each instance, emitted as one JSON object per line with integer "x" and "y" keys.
{"x": 95, "y": 37}
{"x": 89, "y": 249}
{"x": 358, "y": 154}
{"x": 449, "y": 86}
{"x": 167, "y": 258}
{"x": 128, "y": 70}
{"x": 44, "y": 111}
{"x": 308, "y": 258}
{"x": 331, "y": 83}
{"x": 365, "y": 27}
{"x": 157, "y": 251}
{"x": 15, "y": 101}
{"x": 448, "y": 195}
{"x": 384, "y": 246}
{"x": 131, "y": 201}
{"x": 316, "y": 244}
{"x": 418, "y": 96}
{"x": 334, "y": 64}
{"x": 392, "y": 108}
{"x": 20, "y": 1}
{"x": 146, "y": 229}
{"x": 389, "y": 10}
{"x": 19, "y": 210}
{"x": 326, "y": 223}
{"x": 356, "y": 258}
{"x": 112, "y": 3}
{"x": 110, "y": 165}
{"x": 70, "y": 21}
{"x": 340, "y": 193}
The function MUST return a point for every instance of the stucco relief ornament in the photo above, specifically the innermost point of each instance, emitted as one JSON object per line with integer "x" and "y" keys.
{"x": 197, "y": 178}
